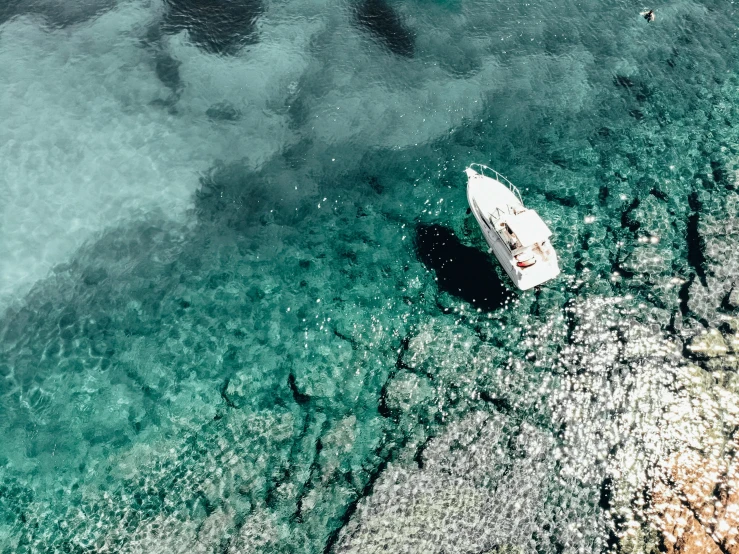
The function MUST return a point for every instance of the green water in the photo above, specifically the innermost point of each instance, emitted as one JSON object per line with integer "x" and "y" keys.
{"x": 244, "y": 308}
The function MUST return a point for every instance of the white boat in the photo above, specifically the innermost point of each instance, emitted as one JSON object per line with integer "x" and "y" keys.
{"x": 517, "y": 236}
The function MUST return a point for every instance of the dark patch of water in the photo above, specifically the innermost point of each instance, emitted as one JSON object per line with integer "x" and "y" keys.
{"x": 167, "y": 70}
{"x": 382, "y": 22}
{"x": 696, "y": 258}
{"x": 55, "y": 14}
{"x": 217, "y": 26}
{"x": 462, "y": 271}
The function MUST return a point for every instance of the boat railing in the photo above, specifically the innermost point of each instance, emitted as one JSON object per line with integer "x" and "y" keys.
{"x": 498, "y": 177}
{"x": 497, "y": 214}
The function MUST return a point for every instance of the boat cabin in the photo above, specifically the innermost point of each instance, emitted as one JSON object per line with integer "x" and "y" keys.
{"x": 523, "y": 230}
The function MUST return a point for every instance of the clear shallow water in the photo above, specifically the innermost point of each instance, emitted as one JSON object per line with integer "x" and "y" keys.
{"x": 244, "y": 309}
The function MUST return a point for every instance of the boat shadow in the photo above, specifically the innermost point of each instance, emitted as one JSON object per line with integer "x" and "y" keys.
{"x": 462, "y": 271}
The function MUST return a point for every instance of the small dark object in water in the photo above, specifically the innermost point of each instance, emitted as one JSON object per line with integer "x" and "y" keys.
{"x": 379, "y": 18}
{"x": 623, "y": 81}
{"x": 648, "y": 15}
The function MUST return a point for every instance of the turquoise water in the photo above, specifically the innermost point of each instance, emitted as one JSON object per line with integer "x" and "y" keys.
{"x": 243, "y": 308}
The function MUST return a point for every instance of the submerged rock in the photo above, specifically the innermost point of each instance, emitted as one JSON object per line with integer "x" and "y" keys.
{"x": 486, "y": 483}
{"x": 696, "y": 503}
{"x": 650, "y": 217}
{"x": 709, "y": 345}
{"x": 713, "y": 290}
{"x": 407, "y": 390}
{"x": 648, "y": 259}
{"x": 733, "y": 298}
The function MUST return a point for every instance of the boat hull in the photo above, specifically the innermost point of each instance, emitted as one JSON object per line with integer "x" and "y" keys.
{"x": 492, "y": 204}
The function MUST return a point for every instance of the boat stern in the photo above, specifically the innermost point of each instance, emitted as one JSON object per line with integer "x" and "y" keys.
{"x": 546, "y": 271}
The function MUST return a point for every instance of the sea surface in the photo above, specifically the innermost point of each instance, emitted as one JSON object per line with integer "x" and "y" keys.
{"x": 243, "y": 308}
